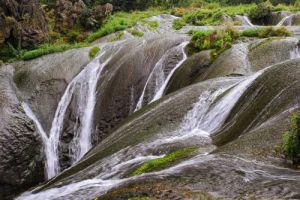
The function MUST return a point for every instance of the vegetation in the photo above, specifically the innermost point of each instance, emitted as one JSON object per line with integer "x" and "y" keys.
{"x": 121, "y": 21}
{"x": 136, "y": 32}
{"x": 49, "y": 48}
{"x": 117, "y": 36}
{"x": 178, "y": 24}
{"x": 93, "y": 52}
{"x": 291, "y": 140}
{"x": 166, "y": 161}
{"x": 218, "y": 40}
{"x": 266, "y": 32}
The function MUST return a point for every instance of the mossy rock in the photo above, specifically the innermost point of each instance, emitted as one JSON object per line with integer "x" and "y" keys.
{"x": 189, "y": 71}
{"x": 93, "y": 52}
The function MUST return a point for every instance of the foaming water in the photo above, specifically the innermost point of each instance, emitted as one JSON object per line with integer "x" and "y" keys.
{"x": 84, "y": 86}
{"x": 159, "y": 76}
{"x": 287, "y": 21}
{"x": 244, "y": 20}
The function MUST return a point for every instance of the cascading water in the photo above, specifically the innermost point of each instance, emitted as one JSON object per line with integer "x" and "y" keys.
{"x": 160, "y": 78}
{"x": 286, "y": 21}
{"x": 85, "y": 85}
{"x": 244, "y": 20}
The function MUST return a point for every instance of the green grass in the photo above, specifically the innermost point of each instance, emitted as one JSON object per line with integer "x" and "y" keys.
{"x": 93, "y": 52}
{"x": 136, "y": 33}
{"x": 266, "y": 32}
{"x": 121, "y": 21}
{"x": 178, "y": 24}
{"x": 152, "y": 25}
{"x": 117, "y": 36}
{"x": 49, "y": 48}
{"x": 166, "y": 161}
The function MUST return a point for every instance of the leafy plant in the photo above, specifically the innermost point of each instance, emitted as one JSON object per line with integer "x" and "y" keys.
{"x": 291, "y": 140}
{"x": 266, "y": 32}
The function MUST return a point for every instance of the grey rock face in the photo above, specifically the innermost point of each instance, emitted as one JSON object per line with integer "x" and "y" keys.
{"x": 21, "y": 156}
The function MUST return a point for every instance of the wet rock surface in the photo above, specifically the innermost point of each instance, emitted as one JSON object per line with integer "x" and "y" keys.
{"x": 21, "y": 150}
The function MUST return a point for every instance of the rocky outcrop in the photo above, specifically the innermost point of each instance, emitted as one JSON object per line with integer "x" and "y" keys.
{"x": 192, "y": 68}
{"x": 22, "y": 23}
{"x": 21, "y": 150}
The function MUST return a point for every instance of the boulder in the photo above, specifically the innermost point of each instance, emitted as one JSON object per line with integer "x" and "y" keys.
{"x": 21, "y": 150}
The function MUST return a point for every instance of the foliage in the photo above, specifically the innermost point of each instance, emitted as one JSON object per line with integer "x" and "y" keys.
{"x": 219, "y": 40}
{"x": 93, "y": 52}
{"x": 166, "y": 161}
{"x": 266, "y": 32}
{"x": 49, "y": 48}
{"x": 152, "y": 25}
{"x": 291, "y": 139}
{"x": 178, "y": 24}
{"x": 136, "y": 32}
{"x": 261, "y": 12}
{"x": 120, "y": 21}
{"x": 117, "y": 36}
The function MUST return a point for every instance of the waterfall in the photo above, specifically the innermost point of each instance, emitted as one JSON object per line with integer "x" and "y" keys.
{"x": 83, "y": 86}
{"x": 158, "y": 75}
{"x": 245, "y": 20}
{"x": 287, "y": 20}
{"x": 295, "y": 53}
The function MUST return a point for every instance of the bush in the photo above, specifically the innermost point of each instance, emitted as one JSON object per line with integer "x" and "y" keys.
{"x": 93, "y": 52}
{"x": 260, "y": 13}
{"x": 291, "y": 140}
{"x": 178, "y": 24}
{"x": 218, "y": 40}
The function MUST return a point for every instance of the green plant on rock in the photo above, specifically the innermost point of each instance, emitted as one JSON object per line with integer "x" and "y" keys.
{"x": 178, "y": 24}
{"x": 164, "y": 162}
{"x": 218, "y": 40}
{"x": 266, "y": 32}
{"x": 117, "y": 36}
{"x": 291, "y": 140}
{"x": 93, "y": 52}
{"x": 136, "y": 32}
{"x": 261, "y": 12}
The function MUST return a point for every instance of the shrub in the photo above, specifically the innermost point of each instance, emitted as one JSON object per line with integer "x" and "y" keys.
{"x": 178, "y": 24}
{"x": 166, "y": 161}
{"x": 93, "y": 52}
{"x": 291, "y": 140}
{"x": 260, "y": 13}
{"x": 218, "y": 40}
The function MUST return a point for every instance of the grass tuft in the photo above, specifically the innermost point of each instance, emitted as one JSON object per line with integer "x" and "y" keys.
{"x": 93, "y": 52}
{"x": 166, "y": 161}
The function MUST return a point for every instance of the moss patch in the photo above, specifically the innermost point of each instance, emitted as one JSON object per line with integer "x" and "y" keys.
{"x": 136, "y": 33}
{"x": 93, "y": 52}
{"x": 166, "y": 161}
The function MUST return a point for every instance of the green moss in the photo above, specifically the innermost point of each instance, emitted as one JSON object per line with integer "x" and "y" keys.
{"x": 49, "y": 48}
{"x": 152, "y": 25}
{"x": 291, "y": 140}
{"x": 117, "y": 36}
{"x": 139, "y": 198}
{"x": 178, "y": 24}
{"x": 93, "y": 52}
{"x": 166, "y": 161}
{"x": 266, "y": 32}
{"x": 136, "y": 33}
{"x": 121, "y": 21}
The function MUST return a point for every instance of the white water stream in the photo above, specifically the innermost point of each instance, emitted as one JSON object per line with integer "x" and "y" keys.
{"x": 286, "y": 20}
{"x": 84, "y": 84}
{"x": 161, "y": 81}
